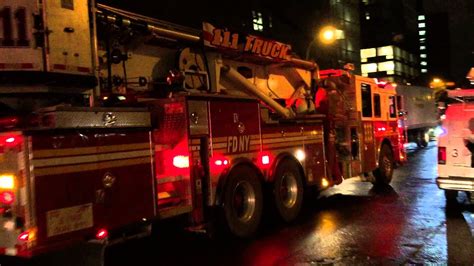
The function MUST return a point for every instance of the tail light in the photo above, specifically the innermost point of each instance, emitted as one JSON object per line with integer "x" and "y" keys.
{"x": 7, "y": 181}
{"x": 7, "y": 197}
{"x": 441, "y": 155}
{"x": 181, "y": 161}
{"x": 7, "y": 184}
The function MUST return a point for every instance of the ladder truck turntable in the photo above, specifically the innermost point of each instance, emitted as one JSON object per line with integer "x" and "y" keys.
{"x": 112, "y": 120}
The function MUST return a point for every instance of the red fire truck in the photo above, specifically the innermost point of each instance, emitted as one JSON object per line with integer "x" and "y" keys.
{"x": 112, "y": 121}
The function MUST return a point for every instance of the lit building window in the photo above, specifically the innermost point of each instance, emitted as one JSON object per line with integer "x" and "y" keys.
{"x": 421, "y": 17}
{"x": 369, "y": 68}
{"x": 422, "y": 47}
{"x": 422, "y": 33}
{"x": 386, "y": 51}
{"x": 424, "y": 70}
{"x": 257, "y": 21}
{"x": 423, "y": 63}
{"x": 367, "y": 53}
{"x": 386, "y": 66}
{"x": 423, "y": 55}
{"x": 421, "y": 25}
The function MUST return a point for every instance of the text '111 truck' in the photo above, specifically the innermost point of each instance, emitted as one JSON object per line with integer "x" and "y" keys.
{"x": 111, "y": 121}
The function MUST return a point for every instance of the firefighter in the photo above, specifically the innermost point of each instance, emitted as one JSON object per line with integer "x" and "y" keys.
{"x": 327, "y": 102}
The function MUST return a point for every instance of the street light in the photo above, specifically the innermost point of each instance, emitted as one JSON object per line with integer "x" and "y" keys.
{"x": 327, "y": 35}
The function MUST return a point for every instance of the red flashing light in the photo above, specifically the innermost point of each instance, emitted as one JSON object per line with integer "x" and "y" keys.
{"x": 264, "y": 159}
{"x": 102, "y": 234}
{"x": 24, "y": 236}
{"x": 10, "y": 140}
{"x": 441, "y": 155}
{"x": 7, "y": 197}
{"x": 381, "y": 83}
{"x": 220, "y": 162}
{"x": 181, "y": 161}
{"x": 331, "y": 73}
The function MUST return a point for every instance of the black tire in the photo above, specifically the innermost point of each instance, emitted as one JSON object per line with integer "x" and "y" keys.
{"x": 288, "y": 190}
{"x": 383, "y": 174}
{"x": 451, "y": 197}
{"x": 243, "y": 201}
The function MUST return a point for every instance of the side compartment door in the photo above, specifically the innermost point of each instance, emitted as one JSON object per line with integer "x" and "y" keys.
{"x": 126, "y": 189}
{"x": 235, "y": 127}
{"x": 314, "y": 152}
{"x": 69, "y": 38}
{"x": 355, "y": 149}
{"x": 368, "y": 142}
{"x": 64, "y": 178}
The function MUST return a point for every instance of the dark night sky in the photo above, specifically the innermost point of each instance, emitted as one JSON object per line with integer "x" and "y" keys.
{"x": 460, "y": 12}
{"x": 461, "y": 27}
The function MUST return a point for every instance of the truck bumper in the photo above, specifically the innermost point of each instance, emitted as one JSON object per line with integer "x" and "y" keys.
{"x": 455, "y": 183}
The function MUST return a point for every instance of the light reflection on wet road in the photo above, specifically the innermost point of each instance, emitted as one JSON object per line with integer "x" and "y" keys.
{"x": 353, "y": 223}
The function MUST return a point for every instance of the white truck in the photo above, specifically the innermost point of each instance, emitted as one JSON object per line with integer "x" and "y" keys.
{"x": 456, "y": 145}
{"x": 419, "y": 113}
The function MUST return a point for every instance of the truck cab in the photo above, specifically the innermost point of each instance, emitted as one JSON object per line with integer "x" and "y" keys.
{"x": 456, "y": 145}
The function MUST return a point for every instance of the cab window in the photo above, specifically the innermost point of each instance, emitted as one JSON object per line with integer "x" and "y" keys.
{"x": 366, "y": 95}
{"x": 391, "y": 107}
{"x": 377, "y": 111}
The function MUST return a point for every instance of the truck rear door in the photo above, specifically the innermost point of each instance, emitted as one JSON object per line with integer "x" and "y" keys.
{"x": 459, "y": 125}
{"x": 91, "y": 170}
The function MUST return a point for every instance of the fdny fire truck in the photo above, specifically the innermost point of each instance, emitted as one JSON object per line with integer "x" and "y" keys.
{"x": 111, "y": 121}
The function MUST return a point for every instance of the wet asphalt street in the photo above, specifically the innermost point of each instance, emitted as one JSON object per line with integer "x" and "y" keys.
{"x": 354, "y": 223}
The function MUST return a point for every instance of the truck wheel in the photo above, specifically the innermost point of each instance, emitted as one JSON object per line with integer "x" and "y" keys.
{"x": 451, "y": 197}
{"x": 383, "y": 174}
{"x": 288, "y": 190}
{"x": 243, "y": 201}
